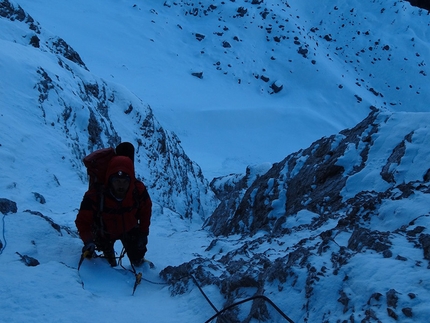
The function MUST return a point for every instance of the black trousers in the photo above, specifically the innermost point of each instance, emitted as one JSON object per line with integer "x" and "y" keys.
{"x": 133, "y": 241}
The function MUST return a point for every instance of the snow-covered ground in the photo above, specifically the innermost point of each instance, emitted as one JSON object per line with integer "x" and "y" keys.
{"x": 224, "y": 125}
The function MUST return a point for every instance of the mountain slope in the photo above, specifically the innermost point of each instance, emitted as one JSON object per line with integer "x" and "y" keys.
{"x": 334, "y": 60}
{"x": 337, "y": 232}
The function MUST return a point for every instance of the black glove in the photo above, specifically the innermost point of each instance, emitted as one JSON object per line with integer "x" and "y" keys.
{"x": 88, "y": 249}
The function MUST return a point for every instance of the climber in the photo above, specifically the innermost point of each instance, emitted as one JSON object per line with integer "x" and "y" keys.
{"x": 120, "y": 209}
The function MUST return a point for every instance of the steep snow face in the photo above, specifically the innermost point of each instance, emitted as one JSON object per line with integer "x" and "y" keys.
{"x": 48, "y": 95}
{"x": 311, "y": 223}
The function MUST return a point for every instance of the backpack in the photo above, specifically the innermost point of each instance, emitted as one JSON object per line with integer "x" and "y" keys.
{"x": 97, "y": 162}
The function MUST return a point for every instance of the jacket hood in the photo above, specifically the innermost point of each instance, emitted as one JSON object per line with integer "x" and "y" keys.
{"x": 120, "y": 164}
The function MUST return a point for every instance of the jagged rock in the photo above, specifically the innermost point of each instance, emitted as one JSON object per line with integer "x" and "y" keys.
{"x": 392, "y": 314}
{"x": 303, "y": 51}
{"x": 7, "y": 206}
{"x": 328, "y": 37}
{"x": 277, "y": 87}
{"x": 425, "y": 243}
{"x": 197, "y": 74}
{"x": 242, "y": 11}
{"x": 392, "y": 298}
{"x": 426, "y": 176}
{"x": 35, "y": 41}
{"x": 226, "y": 44}
{"x": 53, "y": 44}
{"x": 312, "y": 173}
{"x": 39, "y": 198}
{"x": 407, "y": 311}
{"x": 200, "y": 37}
{"x": 29, "y": 261}
{"x": 9, "y": 11}
{"x": 309, "y": 195}
{"x": 362, "y": 237}
{"x": 61, "y": 47}
{"x": 344, "y": 300}
{"x": 396, "y": 156}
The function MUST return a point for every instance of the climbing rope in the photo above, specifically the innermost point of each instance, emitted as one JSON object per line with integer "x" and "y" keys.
{"x": 205, "y": 296}
{"x": 139, "y": 278}
{"x": 3, "y": 247}
{"x": 137, "y": 275}
{"x": 265, "y": 298}
{"x": 218, "y": 313}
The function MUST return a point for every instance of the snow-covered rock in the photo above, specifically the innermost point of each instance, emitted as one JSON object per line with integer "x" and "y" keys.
{"x": 299, "y": 232}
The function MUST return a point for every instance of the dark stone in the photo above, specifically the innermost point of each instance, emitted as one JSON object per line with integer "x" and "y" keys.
{"x": 264, "y": 78}
{"x": 426, "y": 176}
{"x": 39, "y": 198}
{"x": 242, "y": 11}
{"x": 64, "y": 49}
{"x": 226, "y": 44}
{"x": 276, "y": 88}
{"x": 197, "y": 74}
{"x": 28, "y": 261}
{"x": 344, "y": 300}
{"x": 35, "y": 41}
{"x": 303, "y": 51}
{"x": 328, "y": 37}
{"x": 392, "y": 298}
{"x": 364, "y": 238}
{"x": 7, "y": 206}
{"x": 425, "y": 243}
{"x": 392, "y": 314}
{"x": 407, "y": 311}
{"x": 200, "y": 37}
{"x": 412, "y": 295}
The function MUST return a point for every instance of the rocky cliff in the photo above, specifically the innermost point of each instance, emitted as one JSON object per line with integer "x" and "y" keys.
{"x": 303, "y": 232}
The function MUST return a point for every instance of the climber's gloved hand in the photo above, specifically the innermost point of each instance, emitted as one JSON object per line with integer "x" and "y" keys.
{"x": 89, "y": 249}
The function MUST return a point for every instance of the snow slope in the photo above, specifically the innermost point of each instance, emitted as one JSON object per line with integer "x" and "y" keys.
{"x": 152, "y": 49}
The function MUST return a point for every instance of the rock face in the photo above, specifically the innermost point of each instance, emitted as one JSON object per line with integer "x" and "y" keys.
{"x": 347, "y": 212}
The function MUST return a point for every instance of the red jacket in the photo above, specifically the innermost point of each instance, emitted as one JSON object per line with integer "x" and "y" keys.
{"x": 117, "y": 217}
